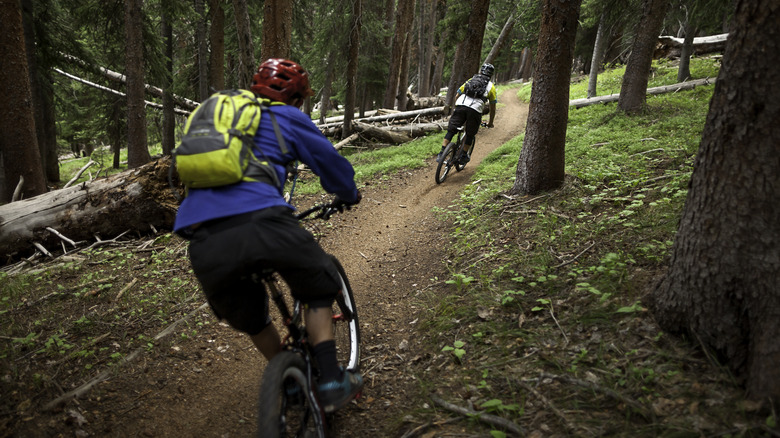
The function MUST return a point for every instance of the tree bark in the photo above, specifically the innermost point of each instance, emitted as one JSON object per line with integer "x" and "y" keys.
{"x": 598, "y": 56}
{"x": 203, "y": 50}
{"x": 403, "y": 21}
{"x": 137, "y": 149}
{"x": 169, "y": 116}
{"x": 541, "y": 165}
{"x": 246, "y": 49}
{"x": 403, "y": 77}
{"x": 427, "y": 26}
{"x": 468, "y": 58}
{"x": 277, "y": 29}
{"x": 217, "y": 40}
{"x": 134, "y": 200}
{"x": 19, "y": 153}
{"x": 634, "y": 86}
{"x": 352, "y": 67}
{"x": 684, "y": 70}
{"x": 42, "y": 96}
{"x": 527, "y": 65}
{"x": 722, "y": 285}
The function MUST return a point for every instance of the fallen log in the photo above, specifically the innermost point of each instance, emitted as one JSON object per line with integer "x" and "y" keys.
{"x": 138, "y": 200}
{"x": 688, "y": 85}
{"x": 425, "y": 102}
{"x": 403, "y": 115}
{"x": 415, "y": 130}
{"x": 670, "y": 47}
{"x": 381, "y": 135}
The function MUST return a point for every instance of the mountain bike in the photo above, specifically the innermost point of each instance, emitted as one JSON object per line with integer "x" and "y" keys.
{"x": 288, "y": 397}
{"x": 455, "y": 155}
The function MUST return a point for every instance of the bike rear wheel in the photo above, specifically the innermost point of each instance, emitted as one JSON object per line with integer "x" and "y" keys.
{"x": 446, "y": 162}
{"x": 287, "y": 407}
{"x": 346, "y": 329}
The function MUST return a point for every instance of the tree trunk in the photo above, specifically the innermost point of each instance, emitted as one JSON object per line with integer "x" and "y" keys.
{"x": 469, "y": 53}
{"x": 722, "y": 285}
{"x": 634, "y": 86}
{"x": 246, "y": 57}
{"x": 403, "y": 19}
{"x": 527, "y": 65}
{"x": 541, "y": 165}
{"x": 326, "y": 92}
{"x": 352, "y": 67}
{"x": 43, "y": 98}
{"x": 19, "y": 153}
{"x": 217, "y": 40}
{"x": 277, "y": 29}
{"x": 403, "y": 77}
{"x": 684, "y": 70}
{"x": 203, "y": 50}
{"x": 134, "y": 200}
{"x": 427, "y": 24}
{"x": 598, "y": 56}
{"x": 169, "y": 116}
{"x": 502, "y": 38}
{"x": 137, "y": 149}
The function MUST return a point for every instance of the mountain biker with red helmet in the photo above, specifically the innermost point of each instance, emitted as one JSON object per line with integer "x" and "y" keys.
{"x": 238, "y": 231}
{"x": 469, "y": 110}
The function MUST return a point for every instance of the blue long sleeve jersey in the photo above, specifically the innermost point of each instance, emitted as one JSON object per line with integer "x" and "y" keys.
{"x": 305, "y": 143}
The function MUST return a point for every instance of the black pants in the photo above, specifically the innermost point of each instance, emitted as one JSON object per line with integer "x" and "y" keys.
{"x": 464, "y": 115}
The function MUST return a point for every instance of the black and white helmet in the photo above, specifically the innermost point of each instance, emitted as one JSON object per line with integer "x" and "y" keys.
{"x": 487, "y": 69}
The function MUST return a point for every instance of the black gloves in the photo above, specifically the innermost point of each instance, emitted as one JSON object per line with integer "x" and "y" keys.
{"x": 341, "y": 205}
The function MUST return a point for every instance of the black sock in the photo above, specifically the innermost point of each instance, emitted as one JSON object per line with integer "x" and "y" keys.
{"x": 325, "y": 354}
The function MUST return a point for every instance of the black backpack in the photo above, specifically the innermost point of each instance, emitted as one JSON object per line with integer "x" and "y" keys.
{"x": 476, "y": 86}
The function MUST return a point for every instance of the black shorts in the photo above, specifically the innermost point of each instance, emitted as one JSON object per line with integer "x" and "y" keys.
{"x": 464, "y": 115}
{"x": 229, "y": 255}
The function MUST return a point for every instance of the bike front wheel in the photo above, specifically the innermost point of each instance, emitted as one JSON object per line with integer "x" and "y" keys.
{"x": 446, "y": 163}
{"x": 346, "y": 329}
{"x": 287, "y": 404}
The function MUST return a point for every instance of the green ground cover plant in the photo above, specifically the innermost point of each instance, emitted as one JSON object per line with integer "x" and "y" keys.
{"x": 554, "y": 309}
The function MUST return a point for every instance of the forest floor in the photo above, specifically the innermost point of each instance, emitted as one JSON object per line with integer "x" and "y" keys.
{"x": 200, "y": 378}
{"x": 207, "y": 385}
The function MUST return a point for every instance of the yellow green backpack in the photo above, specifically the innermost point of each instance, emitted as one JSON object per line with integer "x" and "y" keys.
{"x": 216, "y": 148}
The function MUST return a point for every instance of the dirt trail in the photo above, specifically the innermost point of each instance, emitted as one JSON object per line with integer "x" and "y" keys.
{"x": 389, "y": 247}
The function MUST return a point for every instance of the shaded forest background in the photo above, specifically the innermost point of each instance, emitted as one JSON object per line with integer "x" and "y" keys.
{"x": 123, "y": 75}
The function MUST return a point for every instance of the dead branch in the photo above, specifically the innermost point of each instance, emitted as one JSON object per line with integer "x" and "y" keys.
{"x": 638, "y": 407}
{"x": 487, "y": 418}
{"x": 78, "y": 174}
{"x": 568, "y": 424}
{"x": 18, "y": 190}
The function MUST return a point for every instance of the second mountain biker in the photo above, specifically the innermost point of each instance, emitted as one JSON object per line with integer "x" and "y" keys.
{"x": 469, "y": 110}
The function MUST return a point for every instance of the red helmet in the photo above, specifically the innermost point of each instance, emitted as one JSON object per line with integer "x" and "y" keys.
{"x": 282, "y": 80}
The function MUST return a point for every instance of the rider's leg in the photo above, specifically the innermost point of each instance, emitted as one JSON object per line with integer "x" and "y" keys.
{"x": 268, "y": 341}
{"x": 456, "y": 121}
{"x": 319, "y": 321}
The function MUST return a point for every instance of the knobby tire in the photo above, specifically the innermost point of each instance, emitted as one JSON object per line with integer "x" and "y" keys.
{"x": 346, "y": 328}
{"x": 281, "y": 415}
{"x": 446, "y": 163}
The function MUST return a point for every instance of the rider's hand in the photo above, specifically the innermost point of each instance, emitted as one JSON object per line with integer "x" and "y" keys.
{"x": 340, "y": 204}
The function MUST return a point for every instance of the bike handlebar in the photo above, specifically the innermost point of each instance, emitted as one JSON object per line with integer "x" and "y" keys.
{"x": 324, "y": 211}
